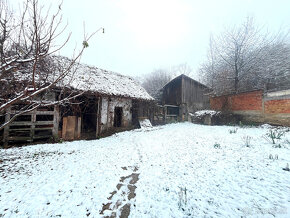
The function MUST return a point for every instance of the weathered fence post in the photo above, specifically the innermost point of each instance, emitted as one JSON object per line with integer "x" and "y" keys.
{"x": 6, "y": 128}
{"x": 55, "y": 122}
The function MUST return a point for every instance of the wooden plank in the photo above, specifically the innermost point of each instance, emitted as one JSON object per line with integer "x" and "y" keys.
{"x": 22, "y": 123}
{"x": 32, "y": 127}
{"x": 55, "y": 122}
{"x": 64, "y": 124}
{"x": 170, "y": 115}
{"x": 79, "y": 127}
{"x": 41, "y": 137}
{"x": 26, "y": 129}
{"x": 108, "y": 114}
{"x": 70, "y": 128}
{"x": 6, "y": 128}
{"x": 19, "y": 138}
{"x": 169, "y": 105}
{"x": 35, "y": 112}
{"x": 43, "y": 123}
{"x": 98, "y": 118}
{"x": 164, "y": 114}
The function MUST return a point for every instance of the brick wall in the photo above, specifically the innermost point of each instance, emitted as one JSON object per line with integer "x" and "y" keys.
{"x": 219, "y": 103}
{"x": 277, "y": 106}
{"x": 247, "y": 101}
{"x": 273, "y": 108}
{"x": 240, "y": 102}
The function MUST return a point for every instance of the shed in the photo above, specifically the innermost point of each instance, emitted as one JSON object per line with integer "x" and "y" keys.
{"x": 110, "y": 102}
{"x": 184, "y": 95}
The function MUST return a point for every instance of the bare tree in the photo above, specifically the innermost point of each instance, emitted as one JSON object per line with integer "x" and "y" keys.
{"x": 208, "y": 70}
{"x": 183, "y": 68}
{"x": 26, "y": 43}
{"x": 239, "y": 58}
{"x": 154, "y": 81}
{"x": 272, "y": 71}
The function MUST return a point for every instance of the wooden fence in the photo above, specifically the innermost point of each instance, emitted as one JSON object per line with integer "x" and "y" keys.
{"x": 41, "y": 123}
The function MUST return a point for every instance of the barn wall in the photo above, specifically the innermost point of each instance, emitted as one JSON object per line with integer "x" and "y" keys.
{"x": 172, "y": 92}
{"x": 142, "y": 109}
{"x": 193, "y": 95}
{"x": 256, "y": 106}
{"x": 107, "y": 112}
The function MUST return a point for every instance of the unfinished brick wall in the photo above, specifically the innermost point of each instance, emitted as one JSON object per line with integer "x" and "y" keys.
{"x": 273, "y": 108}
{"x": 247, "y": 101}
{"x": 277, "y": 106}
{"x": 219, "y": 103}
{"x": 241, "y": 102}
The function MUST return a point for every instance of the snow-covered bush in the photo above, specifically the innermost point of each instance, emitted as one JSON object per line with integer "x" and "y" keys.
{"x": 202, "y": 113}
{"x": 211, "y": 117}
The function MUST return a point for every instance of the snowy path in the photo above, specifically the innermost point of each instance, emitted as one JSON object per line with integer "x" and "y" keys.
{"x": 178, "y": 170}
{"x": 125, "y": 190}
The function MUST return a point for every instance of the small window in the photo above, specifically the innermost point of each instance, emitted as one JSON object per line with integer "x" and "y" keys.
{"x": 172, "y": 110}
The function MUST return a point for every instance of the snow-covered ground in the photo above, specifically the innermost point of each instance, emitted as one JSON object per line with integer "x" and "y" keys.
{"x": 180, "y": 170}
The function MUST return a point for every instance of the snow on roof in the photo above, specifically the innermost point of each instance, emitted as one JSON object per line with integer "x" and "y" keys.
{"x": 93, "y": 79}
{"x": 89, "y": 78}
{"x": 186, "y": 77}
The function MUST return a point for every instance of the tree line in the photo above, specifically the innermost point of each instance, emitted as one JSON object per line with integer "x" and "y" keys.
{"x": 247, "y": 57}
{"x": 242, "y": 58}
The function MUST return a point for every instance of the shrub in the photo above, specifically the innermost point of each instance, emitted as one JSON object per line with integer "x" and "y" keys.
{"x": 271, "y": 157}
{"x": 247, "y": 140}
{"x": 235, "y": 130}
{"x": 182, "y": 194}
{"x": 273, "y": 135}
{"x": 217, "y": 146}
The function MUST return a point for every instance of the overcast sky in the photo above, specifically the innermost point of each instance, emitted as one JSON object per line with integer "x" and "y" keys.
{"x": 143, "y": 35}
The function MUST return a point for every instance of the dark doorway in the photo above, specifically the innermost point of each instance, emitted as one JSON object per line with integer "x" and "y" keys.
{"x": 89, "y": 117}
{"x": 85, "y": 108}
{"x": 118, "y": 113}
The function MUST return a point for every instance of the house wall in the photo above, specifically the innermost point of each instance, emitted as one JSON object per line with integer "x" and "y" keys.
{"x": 107, "y": 112}
{"x": 271, "y": 107}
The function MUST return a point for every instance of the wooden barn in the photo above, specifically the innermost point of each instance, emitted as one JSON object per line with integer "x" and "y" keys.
{"x": 109, "y": 102}
{"x": 182, "y": 96}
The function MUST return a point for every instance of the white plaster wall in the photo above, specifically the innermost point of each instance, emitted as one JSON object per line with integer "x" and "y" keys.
{"x": 126, "y": 104}
{"x": 104, "y": 110}
{"x": 107, "y": 116}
